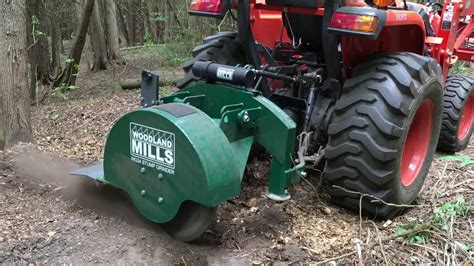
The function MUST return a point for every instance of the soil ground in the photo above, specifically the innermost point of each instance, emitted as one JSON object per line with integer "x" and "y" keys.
{"x": 48, "y": 216}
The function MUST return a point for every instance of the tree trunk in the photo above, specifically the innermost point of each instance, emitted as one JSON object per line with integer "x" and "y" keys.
{"x": 14, "y": 96}
{"x": 38, "y": 52}
{"x": 55, "y": 39}
{"x": 140, "y": 22}
{"x": 33, "y": 60}
{"x": 97, "y": 38}
{"x": 112, "y": 30}
{"x": 151, "y": 22}
{"x": 68, "y": 75}
{"x": 87, "y": 50}
{"x": 123, "y": 25}
{"x": 133, "y": 26}
{"x": 131, "y": 23}
{"x": 44, "y": 58}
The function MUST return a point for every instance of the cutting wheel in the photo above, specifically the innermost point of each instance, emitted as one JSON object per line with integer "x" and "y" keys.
{"x": 191, "y": 222}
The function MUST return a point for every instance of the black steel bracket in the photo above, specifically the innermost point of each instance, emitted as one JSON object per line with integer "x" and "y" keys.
{"x": 150, "y": 89}
{"x": 330, "y": 45}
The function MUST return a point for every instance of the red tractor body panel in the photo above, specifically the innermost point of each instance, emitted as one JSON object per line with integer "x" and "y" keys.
{"x": 401, "y": 25}
{"x": 468, "y": 8}
{"x": 267, "y": 26}
{"x": 464, "y": 46}
{"x": 403, "y": 31}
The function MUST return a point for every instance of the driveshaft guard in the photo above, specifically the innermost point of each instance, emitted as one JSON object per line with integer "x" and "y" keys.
{"x": 165, "y": 155}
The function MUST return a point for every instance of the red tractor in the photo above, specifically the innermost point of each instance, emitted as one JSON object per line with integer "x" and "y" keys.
{"x": 367, "y": 84}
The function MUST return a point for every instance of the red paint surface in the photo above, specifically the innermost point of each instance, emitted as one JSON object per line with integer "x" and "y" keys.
{"x": 467, "y": 119}
{"x": 417, "y": 143}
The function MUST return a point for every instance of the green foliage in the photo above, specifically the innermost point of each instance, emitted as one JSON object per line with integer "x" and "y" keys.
{"x": 35, "y": 20}
{"x": 36, "y": 23}
{"x": 159, "y": 17}
{"x": 460, "y": 68}
{"x": 444, "y": 214}
{"x": 70, "y": 61}
{"x": 148, "y": 39}
{"x": 62, "y": 91}
{"x": 39, "y": 34}
{"x": 419, "y": 238}
{"x": 465, "y": 160}
{"x": 176, "y": 53}
{"x": 441, "y": 220}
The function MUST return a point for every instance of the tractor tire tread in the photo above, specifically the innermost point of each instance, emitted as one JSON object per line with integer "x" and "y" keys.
{"x": 361, "y": 153}
{"x": 457, "y": 90}
{"x": 223, "y": 48}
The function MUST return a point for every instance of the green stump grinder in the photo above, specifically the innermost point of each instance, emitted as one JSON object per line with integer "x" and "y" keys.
{"x": 179, "y": 157}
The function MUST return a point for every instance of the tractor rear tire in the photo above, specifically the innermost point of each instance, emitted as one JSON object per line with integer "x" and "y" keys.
{"x": 223, "y": 48}
{"x": 384, "y": 134}
{"x": 458, "y": 114}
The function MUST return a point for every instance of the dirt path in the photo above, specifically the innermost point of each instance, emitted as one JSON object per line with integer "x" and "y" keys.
{"x": 48, "y": 216}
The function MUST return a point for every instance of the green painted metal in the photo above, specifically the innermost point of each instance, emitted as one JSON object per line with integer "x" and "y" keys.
{"x": 271, "y": 126}
{"x": 195, "y": 146}
{"x": 203, "y": 167}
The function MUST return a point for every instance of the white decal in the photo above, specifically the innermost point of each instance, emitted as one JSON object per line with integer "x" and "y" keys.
{"x": 448, "y": 17}
{"x": 401, "y": 16}
{"x": 152, "y": 147}
{"x": 225, "y": 73}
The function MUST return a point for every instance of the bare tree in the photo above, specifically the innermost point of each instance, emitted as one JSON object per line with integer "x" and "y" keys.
{"x": 55, "y": 31}
{"x": 113, "y": 46}
{"x": 123, "y": 25}
{"x": 97, "y": 39}
{"x": 38, "y": 47}
{"x": 132, "y": 22}
{"x": 136, "y": 21}
{"x": 14, "y": 94}
{"x": 68, "y": 75}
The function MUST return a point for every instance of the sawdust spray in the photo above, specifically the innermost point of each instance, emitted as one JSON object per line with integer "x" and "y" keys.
{"x": 45, "y": 169}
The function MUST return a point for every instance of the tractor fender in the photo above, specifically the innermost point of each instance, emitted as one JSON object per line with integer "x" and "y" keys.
{"x": 398, "y": 31}
{"x": 168, "y": 154}
{"x": 387, "y": 20}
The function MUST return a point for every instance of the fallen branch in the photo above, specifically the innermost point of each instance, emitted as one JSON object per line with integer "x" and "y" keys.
{"x": 132, "y": 84}
{"x": 386, "y": 261}
{"x": 376, "y": 199}
{"x": 137, "y": 47}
